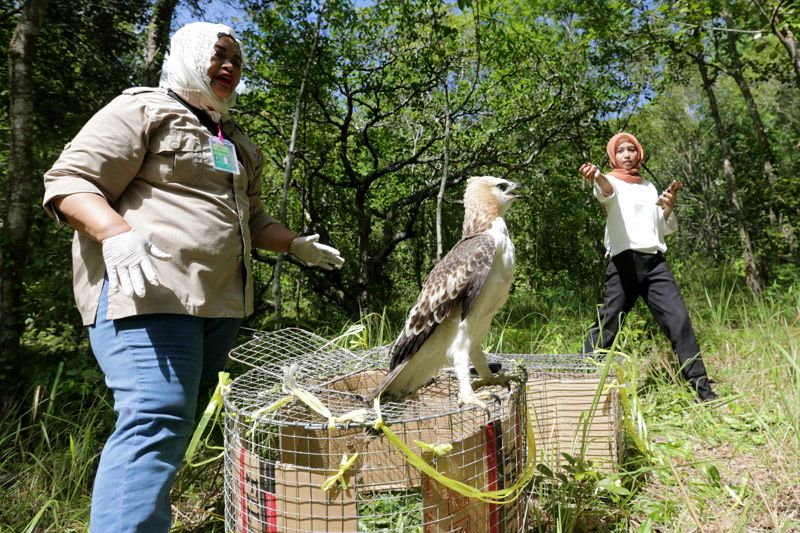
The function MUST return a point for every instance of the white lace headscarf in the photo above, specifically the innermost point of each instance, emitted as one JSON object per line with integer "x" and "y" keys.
{"x": 190, "y": 53}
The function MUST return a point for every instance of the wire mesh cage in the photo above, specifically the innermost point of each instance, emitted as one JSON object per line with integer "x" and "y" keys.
{"x": 572, "y": 408}
{"x": 288, "y": 468}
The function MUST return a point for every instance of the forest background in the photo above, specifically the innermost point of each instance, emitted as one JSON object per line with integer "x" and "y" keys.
{"x": 371, "y": 117}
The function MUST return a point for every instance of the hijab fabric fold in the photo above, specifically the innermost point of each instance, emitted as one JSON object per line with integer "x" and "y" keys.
{"x": 191, "y": 50}
{"x": 631, "y": 175}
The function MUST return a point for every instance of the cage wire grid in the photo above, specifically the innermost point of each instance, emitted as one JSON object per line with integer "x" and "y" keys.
{"x": 277, "y": 461}
{"x": 560, "y": 395}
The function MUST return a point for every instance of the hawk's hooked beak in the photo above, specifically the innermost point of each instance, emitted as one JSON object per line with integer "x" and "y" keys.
{"x": 513, "y": 186}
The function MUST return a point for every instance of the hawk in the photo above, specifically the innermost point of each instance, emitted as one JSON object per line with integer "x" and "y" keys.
{"x": 458, "y": 299}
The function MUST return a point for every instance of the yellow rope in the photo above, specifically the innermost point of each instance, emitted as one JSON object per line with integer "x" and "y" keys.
{"x": 625, "y": 386}
{"x": 436, "y": 449}
{"x": 212, "y": 409}
{"x": 344, "y": 465}
{"x": 499, "y": 497}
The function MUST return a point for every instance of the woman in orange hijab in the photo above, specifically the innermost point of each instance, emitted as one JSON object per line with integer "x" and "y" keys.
{"x": 638, "y": 219}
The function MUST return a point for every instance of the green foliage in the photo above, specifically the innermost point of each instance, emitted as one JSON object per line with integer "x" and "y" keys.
{"x": 85, "y": 55}
{"x": 384, "y": 82}
{"x": 50, "y": 451}
{"x": 577, "y": 497}
{"x": 692, "y": 461}
{"x": 529, "y": 90}
{"x": 394, "y": 512}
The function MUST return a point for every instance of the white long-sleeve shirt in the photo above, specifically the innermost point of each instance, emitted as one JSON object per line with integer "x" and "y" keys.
{"x": 634, "y": 220}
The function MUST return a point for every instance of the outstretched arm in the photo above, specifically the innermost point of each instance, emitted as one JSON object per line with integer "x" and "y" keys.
{"x": 277, "y": 238}
{"x": 592, "y": 173}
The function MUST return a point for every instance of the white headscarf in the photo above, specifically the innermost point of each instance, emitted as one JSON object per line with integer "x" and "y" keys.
{"x": 190, "y": 53}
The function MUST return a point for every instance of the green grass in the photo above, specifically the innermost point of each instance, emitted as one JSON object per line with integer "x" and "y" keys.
{"x": 727, "y": 466}
{"x": 50, "y": 452}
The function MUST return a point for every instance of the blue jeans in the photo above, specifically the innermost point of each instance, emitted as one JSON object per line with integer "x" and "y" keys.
{"x": 154, "y": 364}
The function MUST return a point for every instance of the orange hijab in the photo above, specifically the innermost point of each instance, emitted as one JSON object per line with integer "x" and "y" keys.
{"x": 630, "y": 175}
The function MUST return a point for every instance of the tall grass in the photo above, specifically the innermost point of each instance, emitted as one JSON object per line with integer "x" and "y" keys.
{"x": 726, "y": 466}
{"x": 731, "y": 465}
{"x": 50, "y": 451}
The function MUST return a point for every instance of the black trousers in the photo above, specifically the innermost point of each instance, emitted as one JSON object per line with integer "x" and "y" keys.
{"x": 630, "y": 275}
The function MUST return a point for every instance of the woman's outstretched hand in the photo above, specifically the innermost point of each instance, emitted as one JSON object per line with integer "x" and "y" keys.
{"x": 309, "y": 250}
{"x": 589, "y": 171}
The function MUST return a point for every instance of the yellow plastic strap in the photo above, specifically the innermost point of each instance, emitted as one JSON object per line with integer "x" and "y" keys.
{"x": 498, "y": 497}
{"x": 212, "y": 409}
{"x": 313, "y": 403}
{"x": 627, "y": 413}
{"x": 345, "y": 464}
{"x": 274, "y": 406}
{"x": 357, "y": 415}
{"x": 436, "y": 449}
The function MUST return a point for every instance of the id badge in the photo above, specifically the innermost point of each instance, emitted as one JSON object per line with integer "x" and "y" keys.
{"x": 223, "y": 154}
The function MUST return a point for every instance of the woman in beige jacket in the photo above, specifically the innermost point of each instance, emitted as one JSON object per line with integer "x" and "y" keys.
{"x": 163, "y": 190}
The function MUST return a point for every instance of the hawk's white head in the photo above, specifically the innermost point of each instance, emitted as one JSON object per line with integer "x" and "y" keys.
{"x": 485, "y": 199}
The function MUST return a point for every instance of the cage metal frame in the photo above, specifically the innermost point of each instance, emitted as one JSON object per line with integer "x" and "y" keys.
{"x": 320, "y": 366}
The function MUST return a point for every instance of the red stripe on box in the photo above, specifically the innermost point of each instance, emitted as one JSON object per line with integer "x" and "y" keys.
{"x": 242, "y": 491}
{"x": 492, "y": 474}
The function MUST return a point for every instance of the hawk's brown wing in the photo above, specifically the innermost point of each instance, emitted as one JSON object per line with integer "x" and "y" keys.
{"x": 456, "y": 279}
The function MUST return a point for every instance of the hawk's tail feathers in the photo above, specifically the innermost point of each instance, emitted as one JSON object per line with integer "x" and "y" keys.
{"x": 384, "y": 385}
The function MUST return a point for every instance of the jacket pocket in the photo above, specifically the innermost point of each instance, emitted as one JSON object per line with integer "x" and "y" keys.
{"x": 174, "y": 156}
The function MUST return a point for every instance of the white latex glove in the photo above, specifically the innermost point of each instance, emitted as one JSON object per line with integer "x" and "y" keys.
{"x": 126, "y": 257}
{"x": 307, "y": 249}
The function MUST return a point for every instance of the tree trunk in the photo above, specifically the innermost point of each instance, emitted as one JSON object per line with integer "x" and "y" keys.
{"x": 157, "y": 39}
{"x": 789, "y": 41}
{"x": 21, "y": 175}
{"x": 784, "y": 34}
{"x": 751, "y": 272}
{"x": 711, "y": 228}
{"x": 289, "y": 167}
{"x": 770, "y": 177}
{"x": 761, "y": 135}
{"x": 445, "y": 170}
{"x": 768, "y": 169}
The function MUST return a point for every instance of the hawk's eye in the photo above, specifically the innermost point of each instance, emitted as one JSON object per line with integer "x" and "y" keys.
{"x": 503, "y": 186}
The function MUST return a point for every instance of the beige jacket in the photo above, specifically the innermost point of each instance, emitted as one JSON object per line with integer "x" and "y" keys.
{"x": 149, "y": 156}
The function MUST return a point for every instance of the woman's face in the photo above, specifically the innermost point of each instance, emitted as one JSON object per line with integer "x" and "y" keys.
{"x": 226, "y": 67}
{"x": 627, "y": 155}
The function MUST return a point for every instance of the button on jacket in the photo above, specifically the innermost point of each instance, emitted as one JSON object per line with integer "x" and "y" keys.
{"x": 150, "y": 157}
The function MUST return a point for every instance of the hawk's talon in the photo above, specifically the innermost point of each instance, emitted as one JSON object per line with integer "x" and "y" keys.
{"x": 501, "y": 379}
{"x": 472, "y": 399}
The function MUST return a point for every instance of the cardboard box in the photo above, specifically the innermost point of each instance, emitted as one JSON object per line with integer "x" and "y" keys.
{"x": 379, "y": 466}
{"x": 559, "y": 405}
{"x": 489, "y": 460}
{"x": 274, "y": 472}
{"x": 271, "y": 497}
